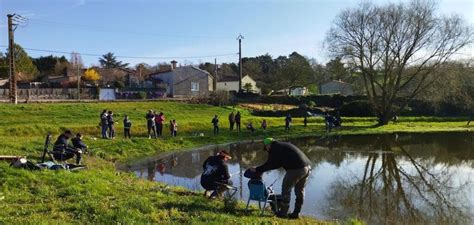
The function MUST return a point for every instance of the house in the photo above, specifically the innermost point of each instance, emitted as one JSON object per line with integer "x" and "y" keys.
{"x": 184, "y": 81}
{"x": 231, "y": 83}
{"x": 295, "y": 91}
{"x": 336, "y": 87}
{"x": 63, "y": 80}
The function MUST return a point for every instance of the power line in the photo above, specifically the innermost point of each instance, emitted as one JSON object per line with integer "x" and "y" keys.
{"x": 130, "y": 57}
{"x": 104, "y": 29}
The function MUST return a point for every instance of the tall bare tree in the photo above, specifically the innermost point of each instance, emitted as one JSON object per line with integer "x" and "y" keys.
{"x": 396, "y": 47}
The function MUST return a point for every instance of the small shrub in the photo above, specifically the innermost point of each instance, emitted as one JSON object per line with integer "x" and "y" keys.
{"x": 220, "y": 98}
{"x": 141, "y": 95}
{"x": 311, "y": 104}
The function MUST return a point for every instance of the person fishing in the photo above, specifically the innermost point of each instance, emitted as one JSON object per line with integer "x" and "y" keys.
{"x": 288, "y": 122}
{"x": 63, "y": 151}
{"x": 298, "y": 169}
{"x": 77, "y": 143}
{"x": 216, "y": 176}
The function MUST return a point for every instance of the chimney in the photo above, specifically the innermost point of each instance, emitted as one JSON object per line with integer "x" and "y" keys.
{"x": 173, "y": 64}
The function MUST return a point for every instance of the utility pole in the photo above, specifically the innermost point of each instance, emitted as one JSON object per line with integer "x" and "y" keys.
{"x": 215, "y": 74}
{"x": 78, "y": 83}
{"x": 11, "y": 60}
{"x": 240, "y": 37}
{"x": 13, "y": 21}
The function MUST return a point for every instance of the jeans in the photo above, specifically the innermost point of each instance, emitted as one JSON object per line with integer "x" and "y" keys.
{"x": 104, "y": 130}
{"x": 216, "y": 129}
{"x": 159, "y": 129}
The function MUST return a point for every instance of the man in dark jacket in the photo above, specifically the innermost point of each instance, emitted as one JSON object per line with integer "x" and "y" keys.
{"x": 298, "y": 169}
{"x": 238, "y": 120}
{"x": 231, "y": 120}
{"x": 111, "y": 122}
{"x": 215, "y": 123}
{"x": 104, "y": 125}
{"x": 63, "y": 151}
{"x": 215, "y": 176}
{"x": 77, "y": 142}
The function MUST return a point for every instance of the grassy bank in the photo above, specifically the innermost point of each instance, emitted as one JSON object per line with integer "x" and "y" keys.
{"x": 103, "y": 195}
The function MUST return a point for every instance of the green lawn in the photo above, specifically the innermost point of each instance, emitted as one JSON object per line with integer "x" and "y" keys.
{"x": 102, "y": 194}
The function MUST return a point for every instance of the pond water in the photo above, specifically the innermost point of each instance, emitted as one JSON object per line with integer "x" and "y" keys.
{"x": 383, "y": 179}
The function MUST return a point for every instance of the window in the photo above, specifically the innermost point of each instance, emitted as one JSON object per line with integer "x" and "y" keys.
{"x": 194, "y": 86}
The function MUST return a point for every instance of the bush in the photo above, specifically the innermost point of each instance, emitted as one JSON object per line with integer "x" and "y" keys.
{"x": 220, "y": 98}
{"x": 141, "y": 95}
{"x": 357, "y": 109}
{"x": 311, "y": 104}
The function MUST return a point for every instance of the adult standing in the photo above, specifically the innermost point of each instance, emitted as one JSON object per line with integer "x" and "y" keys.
{"x": 238, "y": 121}
{"x": 298, "y": 169}
{"x": 215, "y": 123}
{"x": 104, "y": 123}
{"x": 111, "y": 124}
{"x": 231, "y": 120}
{"x": 150, "y": 123}
{"x": 160, "y": 120}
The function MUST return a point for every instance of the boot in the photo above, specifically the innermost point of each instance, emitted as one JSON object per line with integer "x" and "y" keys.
{"x": 296, "y": 212}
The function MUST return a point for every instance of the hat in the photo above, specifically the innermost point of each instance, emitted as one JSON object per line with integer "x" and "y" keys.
{"x": 267, "y": 141}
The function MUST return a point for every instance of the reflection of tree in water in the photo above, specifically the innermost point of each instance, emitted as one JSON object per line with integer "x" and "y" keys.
{"x": 399, "y": 189}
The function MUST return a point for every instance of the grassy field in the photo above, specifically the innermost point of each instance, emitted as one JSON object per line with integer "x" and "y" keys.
{"x": 102, "y": 194}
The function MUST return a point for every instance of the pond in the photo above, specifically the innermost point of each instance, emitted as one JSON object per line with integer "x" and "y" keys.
{"x": 383, "y": 179}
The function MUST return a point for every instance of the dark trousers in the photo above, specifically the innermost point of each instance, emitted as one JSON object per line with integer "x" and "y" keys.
{"x": 150, "y": 130}
{"x": 159, "y": 129}
{"x": 66, "y": 154}
{"x": 174, "y": 133}
{"x": 111, "y": 131}
{"x": 216, "y": 129}
{"x": 126, "y": 132}
{"x": 232, "y": 125}
{"x": 287, "y": 126}
{"x": 237, "y": 126}
{"x": 104, "y": 130}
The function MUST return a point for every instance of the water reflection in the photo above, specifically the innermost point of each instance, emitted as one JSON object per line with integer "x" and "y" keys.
{"x": 384, "y": 179}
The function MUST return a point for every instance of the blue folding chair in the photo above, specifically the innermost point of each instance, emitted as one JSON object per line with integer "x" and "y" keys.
{"x": 258, "y": 192}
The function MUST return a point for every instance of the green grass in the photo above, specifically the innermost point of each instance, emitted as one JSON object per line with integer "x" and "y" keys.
{"x": 102, "y": 194}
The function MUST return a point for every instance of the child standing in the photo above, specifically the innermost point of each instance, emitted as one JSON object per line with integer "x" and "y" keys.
{"x": 127, "y": 125}
{"x": 174, "y": 128}
{"x": 264, "y": 124}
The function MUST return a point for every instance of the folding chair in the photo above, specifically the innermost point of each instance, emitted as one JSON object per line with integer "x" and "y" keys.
{"x": 258, "y": 192}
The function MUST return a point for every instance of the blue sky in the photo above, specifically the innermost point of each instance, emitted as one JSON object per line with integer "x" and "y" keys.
{"x": 183, "y": 28}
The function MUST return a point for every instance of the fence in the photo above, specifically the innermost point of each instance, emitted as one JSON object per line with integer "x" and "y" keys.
{"x": 49, "y": 93}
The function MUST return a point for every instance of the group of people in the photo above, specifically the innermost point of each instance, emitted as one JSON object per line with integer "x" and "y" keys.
{"x": 155, "y": 124}
{"x": 216, "y": 177}
{"x": 235, "y": 120}
{"x": 332, "y": 121}
{"x": 63, "y": 150}
{"x": 107, "y": 124}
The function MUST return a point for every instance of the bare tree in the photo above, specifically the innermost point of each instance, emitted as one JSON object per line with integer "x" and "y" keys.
{"x": 396, "y": 47}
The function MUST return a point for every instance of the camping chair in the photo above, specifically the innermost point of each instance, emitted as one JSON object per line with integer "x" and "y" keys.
{"x": 258, "y": 192}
